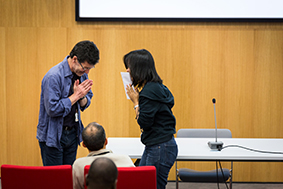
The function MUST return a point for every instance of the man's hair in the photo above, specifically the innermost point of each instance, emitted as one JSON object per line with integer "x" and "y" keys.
{"x": 86, "y": 51}
{"x": 102, "y": 173}
{"x": 142, "y": 67}
{"x": 94, "y": 136}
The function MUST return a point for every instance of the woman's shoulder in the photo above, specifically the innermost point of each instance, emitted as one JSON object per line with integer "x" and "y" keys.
{"x": 153, "y": 90}
{"x": 152, "y": 86}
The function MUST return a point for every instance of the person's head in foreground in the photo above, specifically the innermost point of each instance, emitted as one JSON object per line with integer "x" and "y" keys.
{"x": 102, "y": 174}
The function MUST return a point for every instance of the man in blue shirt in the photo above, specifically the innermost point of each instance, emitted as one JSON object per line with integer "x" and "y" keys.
{"x": 65, "y": 91}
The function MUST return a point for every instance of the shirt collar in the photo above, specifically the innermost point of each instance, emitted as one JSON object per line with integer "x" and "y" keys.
{"x": 66, "y": 67}
{"x": 98, "y": 152}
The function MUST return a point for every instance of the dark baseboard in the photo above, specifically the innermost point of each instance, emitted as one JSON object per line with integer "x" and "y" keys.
{"x": 243, "y": 182}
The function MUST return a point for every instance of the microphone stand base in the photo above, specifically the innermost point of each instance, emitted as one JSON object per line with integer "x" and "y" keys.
{"x": 215, "y": 145}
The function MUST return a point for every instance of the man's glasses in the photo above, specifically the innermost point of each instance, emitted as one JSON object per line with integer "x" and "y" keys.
{"x": 84, "y": 68}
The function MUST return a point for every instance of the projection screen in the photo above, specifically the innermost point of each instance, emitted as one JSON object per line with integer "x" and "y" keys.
{"x": 179, "y": 10}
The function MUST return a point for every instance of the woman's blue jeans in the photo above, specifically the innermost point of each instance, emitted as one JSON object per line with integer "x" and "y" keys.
{"x": 162, "y": 156}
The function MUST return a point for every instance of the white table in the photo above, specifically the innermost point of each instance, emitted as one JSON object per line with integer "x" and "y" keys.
{"x": 196, "y": 149}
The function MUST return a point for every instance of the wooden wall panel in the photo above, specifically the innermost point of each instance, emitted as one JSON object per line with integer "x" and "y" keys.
{"x": 3, "y": 115}
{"x": 22, "y": 103}
{"x": 33, "y": 13}
{"x": 268, "y": 89}
{"x": 239, "y": 64}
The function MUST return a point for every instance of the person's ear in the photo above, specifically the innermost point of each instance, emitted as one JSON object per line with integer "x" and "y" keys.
{"x": 83, "y": 144}
{"x": 115, "y": 184}
{"x": 86, "y": 180}
{"x": 106, "y": 142}
{"x": 75, "y": 58}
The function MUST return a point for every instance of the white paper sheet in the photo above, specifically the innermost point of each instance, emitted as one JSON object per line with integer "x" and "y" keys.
{"x": 126, "y": 81}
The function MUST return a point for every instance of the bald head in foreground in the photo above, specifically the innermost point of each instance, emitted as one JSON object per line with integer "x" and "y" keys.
{"x": 102, "y": 174}
{"x": 94, "y": 139}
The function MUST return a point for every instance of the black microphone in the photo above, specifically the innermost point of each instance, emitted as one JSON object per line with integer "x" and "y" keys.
{"x": 215, "y": 145}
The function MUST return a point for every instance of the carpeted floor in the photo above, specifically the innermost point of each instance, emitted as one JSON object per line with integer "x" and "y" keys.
{"x": 185, "y": 185}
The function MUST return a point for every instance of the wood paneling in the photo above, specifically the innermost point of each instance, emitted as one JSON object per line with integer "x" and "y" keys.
{"x": 3, "y": 119}
{"x": 239, "y": 64}
{"x": 22, "y": 96}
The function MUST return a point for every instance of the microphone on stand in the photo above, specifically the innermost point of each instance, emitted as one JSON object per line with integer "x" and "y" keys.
{"x": 216, "y": 144}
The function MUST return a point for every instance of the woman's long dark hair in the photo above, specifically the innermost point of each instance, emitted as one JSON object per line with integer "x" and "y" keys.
{"x": 142, "y": 67}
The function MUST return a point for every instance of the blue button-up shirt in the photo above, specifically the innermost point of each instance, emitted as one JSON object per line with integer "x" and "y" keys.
{"x": 55, "y": 104}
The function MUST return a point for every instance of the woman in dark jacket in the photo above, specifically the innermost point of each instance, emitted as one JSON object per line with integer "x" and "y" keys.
{"x": 153, "y": 102}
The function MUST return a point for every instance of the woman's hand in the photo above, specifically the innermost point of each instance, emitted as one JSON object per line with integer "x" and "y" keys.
{"x": 133, "y": 94}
